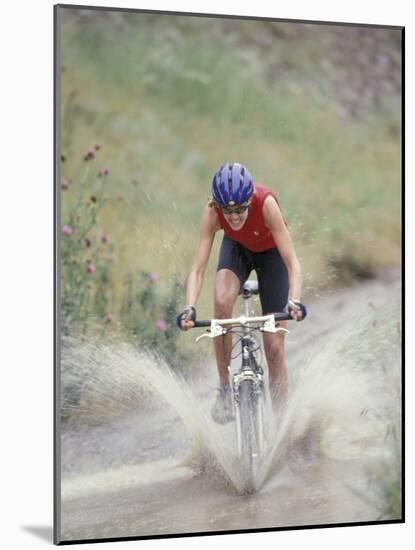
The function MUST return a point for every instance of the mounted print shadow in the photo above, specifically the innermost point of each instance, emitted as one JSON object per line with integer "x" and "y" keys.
{"x": 228, "y": 201}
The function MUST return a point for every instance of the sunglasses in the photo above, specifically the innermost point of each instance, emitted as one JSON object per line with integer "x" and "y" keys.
{"x": 234, "y": 209}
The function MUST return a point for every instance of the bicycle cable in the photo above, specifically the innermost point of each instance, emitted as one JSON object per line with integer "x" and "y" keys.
{"x": 241, "y": 335}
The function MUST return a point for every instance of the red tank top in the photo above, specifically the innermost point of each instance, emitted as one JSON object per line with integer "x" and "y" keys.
{"x": 254, "y": 234}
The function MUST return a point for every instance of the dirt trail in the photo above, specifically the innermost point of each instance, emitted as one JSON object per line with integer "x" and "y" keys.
{"x": 169, "y": 469}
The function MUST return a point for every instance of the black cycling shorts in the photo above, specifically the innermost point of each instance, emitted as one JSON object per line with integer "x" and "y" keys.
{"x": 270, "y": 268}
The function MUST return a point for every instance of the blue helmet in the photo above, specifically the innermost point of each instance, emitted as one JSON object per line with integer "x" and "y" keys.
{"x": 232, "y": 185}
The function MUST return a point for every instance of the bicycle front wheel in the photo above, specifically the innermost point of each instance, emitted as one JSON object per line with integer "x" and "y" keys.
{"x": 250, "y": 425}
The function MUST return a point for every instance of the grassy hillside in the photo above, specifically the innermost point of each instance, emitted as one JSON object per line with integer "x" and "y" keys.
{"x": 169, "y": 99}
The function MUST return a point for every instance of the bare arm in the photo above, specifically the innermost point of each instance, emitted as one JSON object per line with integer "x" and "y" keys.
{"x": 275, "y": 222}
{"x": 208, "y": 227}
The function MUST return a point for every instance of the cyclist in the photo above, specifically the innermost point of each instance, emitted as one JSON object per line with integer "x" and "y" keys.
{"x": 255, "y": 238}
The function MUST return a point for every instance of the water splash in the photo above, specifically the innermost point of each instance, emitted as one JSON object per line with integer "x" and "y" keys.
{"x": 340, "y": 406}
{"x": 345, "y": 401}
{"x": 103, "y": 382}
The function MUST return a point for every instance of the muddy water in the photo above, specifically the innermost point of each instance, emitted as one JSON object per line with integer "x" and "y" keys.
{"x": 141, "y": 455}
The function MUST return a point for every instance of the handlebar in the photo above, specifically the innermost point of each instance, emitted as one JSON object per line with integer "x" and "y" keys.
{"x": 216, "y": 327}
{"x": 277, "y": 316}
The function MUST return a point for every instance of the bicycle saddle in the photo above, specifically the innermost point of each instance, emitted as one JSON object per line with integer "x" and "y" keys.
{"x": 250, "y": 287}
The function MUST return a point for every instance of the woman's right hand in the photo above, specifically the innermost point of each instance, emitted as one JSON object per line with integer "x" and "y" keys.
{"x": 186, "y": 319}
{"x": 186, "y": 325}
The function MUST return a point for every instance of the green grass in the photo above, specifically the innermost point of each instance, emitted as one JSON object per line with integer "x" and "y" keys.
{"x": 172, "y": 99}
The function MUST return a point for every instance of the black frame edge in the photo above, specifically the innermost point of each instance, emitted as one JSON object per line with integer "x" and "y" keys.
{"x": 233, "y": 532}
{"x": 56, "y": 275}
{"x": 403, "y": 264}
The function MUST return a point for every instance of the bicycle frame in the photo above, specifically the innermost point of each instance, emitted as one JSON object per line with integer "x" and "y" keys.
{"x": 249, "y": 371}
{"x": 248, "y": 381}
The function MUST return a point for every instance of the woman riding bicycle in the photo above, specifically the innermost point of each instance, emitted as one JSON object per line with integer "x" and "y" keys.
{"x": 255, "y": 238}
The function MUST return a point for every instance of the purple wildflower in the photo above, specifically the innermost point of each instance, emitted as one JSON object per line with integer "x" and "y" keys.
{"x": 104, "y": 172}
{"x": 90, "y": 155}
{"x": 67, "y": 230}
{"x": 153, "y": 277}
{"x": 161, "y": 325}
{"x": 91, "y": 268}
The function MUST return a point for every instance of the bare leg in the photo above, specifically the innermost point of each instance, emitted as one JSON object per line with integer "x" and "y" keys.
{"x": 227, "y": 288}
{"x": 274, "y": 345}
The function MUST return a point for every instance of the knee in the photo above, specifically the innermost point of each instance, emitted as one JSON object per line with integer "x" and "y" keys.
{"x": 275, "y": 350}
{"x": 223, "y": 304}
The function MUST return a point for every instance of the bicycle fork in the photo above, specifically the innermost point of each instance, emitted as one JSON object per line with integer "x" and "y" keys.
{"x": 257, "y": 387}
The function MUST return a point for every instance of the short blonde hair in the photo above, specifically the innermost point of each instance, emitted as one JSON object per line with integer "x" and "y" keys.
{"x": 212, "y": 203}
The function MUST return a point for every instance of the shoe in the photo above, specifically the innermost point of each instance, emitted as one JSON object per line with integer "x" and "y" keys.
{"x": 222, "y": 411}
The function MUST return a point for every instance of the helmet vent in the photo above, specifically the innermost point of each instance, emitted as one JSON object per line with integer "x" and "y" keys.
{"x": 230, "y": 179}
{"x": 241, "y": 177}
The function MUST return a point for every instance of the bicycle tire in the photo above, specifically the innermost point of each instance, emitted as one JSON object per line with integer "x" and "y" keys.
{"x": 249, "y": 433}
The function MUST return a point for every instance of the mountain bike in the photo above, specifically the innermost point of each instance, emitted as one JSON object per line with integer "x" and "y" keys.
{"x": 248, "y": 393}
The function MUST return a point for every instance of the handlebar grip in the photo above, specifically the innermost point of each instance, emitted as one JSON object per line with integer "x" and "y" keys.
{"x": 202, "y": 324}
{"x": 282, "y": 317}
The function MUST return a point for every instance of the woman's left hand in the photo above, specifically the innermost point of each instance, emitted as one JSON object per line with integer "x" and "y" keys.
{"x": 297, "y": 310}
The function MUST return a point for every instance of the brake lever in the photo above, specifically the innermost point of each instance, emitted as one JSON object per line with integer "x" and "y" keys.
{"x": 269, "y": 326}
{"x": 215, "y": 330}
{"x": 206, "y": 335}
